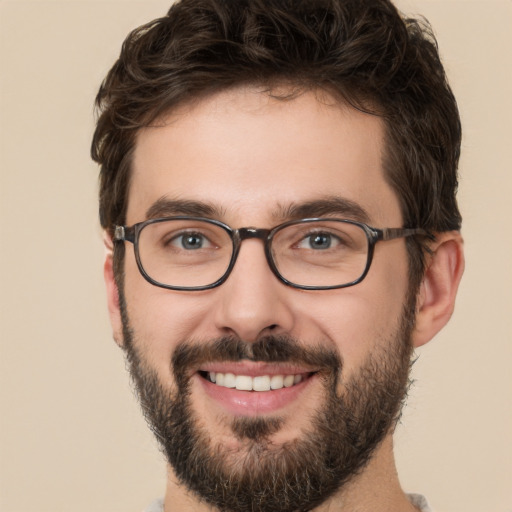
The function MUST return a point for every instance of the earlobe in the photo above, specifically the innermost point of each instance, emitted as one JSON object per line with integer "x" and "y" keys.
{"x": 114, "y": 309}
{"x": 436, "y": 298}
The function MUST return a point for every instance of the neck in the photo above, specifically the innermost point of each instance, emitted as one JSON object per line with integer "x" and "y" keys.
{"x": 375, "y": 489}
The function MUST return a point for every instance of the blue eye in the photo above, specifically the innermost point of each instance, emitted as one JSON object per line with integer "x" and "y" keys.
{"x": 320, "y": 241}
{"x": 190, "y": 241}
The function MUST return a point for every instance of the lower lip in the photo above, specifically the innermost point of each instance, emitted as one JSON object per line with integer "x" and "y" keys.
{"x": 254, "y": 403}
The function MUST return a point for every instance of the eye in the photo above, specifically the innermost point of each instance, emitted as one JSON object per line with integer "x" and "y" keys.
{"x": 318, "y": 241}
{"x": 190, "y": 241}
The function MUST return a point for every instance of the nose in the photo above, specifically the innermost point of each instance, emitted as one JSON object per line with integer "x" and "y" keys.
{"x": 253, "y": 302}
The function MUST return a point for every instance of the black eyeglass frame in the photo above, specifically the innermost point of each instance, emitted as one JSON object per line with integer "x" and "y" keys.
{"x": 237, "y": 236}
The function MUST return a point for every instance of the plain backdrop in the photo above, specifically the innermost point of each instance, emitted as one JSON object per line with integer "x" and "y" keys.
{"x": 72, "y": 436}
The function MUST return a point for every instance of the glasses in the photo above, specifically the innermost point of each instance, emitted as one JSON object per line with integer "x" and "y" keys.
{"x": 195, "y": 253}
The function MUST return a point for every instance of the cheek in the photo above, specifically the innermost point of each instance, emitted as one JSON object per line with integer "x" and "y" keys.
{"x": 352, "y": 324}
{"x": 363, "y": 318}
{"x": 161, "y": 319}
{"x": 388, "y": 278}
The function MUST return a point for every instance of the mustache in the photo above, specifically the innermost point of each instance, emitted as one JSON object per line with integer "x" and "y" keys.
{"x": 269, "y": 349}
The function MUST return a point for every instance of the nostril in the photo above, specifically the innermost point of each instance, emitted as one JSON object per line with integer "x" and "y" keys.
{"x": 272, "y": 327}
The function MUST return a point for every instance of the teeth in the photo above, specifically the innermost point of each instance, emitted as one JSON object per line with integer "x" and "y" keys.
{"x": 288, "y": 381}
{"x": 259, "y": 383}
{"x": 276, "y": 382}
{"x": 229, "y": 380}
{"x": 243, "y": 383}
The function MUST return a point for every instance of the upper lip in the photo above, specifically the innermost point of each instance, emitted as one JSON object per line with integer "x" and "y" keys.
{"x": 254, "y": 369}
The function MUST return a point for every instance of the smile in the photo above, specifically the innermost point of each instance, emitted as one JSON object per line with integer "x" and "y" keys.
{"x": 257, "y": 383}
{"x": 254, "y": 388}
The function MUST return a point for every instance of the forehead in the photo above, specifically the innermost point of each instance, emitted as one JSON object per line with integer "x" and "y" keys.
{"x": 250, "y": 157}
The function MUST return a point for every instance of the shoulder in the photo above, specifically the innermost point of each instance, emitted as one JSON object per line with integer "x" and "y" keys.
{"x": 420, "y": 502}
{"x": 156, "y": 506}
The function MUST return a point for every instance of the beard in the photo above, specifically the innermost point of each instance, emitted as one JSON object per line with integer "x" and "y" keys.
{"x": 353, "y": 418}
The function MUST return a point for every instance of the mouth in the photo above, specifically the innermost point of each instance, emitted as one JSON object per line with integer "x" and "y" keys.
{"x": 252, "y": 389}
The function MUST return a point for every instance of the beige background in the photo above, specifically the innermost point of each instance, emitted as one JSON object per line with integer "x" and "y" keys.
{"x": 72, "y": 437}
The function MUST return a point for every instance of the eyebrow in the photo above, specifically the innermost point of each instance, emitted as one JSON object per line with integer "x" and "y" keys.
{"x": 327, "y": 206}
{"x": 165, "y": 207}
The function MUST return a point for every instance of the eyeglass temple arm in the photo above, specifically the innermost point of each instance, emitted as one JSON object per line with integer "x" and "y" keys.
{"x": 392, "y": 233}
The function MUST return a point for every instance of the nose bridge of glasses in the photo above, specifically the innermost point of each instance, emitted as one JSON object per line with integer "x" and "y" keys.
{"x": 250, "y": 232}
{"x": 246, "y": 233}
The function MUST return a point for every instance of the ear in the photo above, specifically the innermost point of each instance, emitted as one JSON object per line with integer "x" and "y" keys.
{"x": 112, "y": 291}
{"x": 436, "y": 297}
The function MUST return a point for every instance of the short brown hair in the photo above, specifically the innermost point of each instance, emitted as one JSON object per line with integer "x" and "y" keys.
{"x": 362, "y": 51}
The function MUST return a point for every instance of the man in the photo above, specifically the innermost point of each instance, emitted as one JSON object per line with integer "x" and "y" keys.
{"x": 277, "y": 190}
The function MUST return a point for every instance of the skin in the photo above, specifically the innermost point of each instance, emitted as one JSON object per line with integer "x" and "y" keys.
{"x": 250, "y": 156}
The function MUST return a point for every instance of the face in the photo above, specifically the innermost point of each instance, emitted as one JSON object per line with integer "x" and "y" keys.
{"x": 249, "y": 160}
